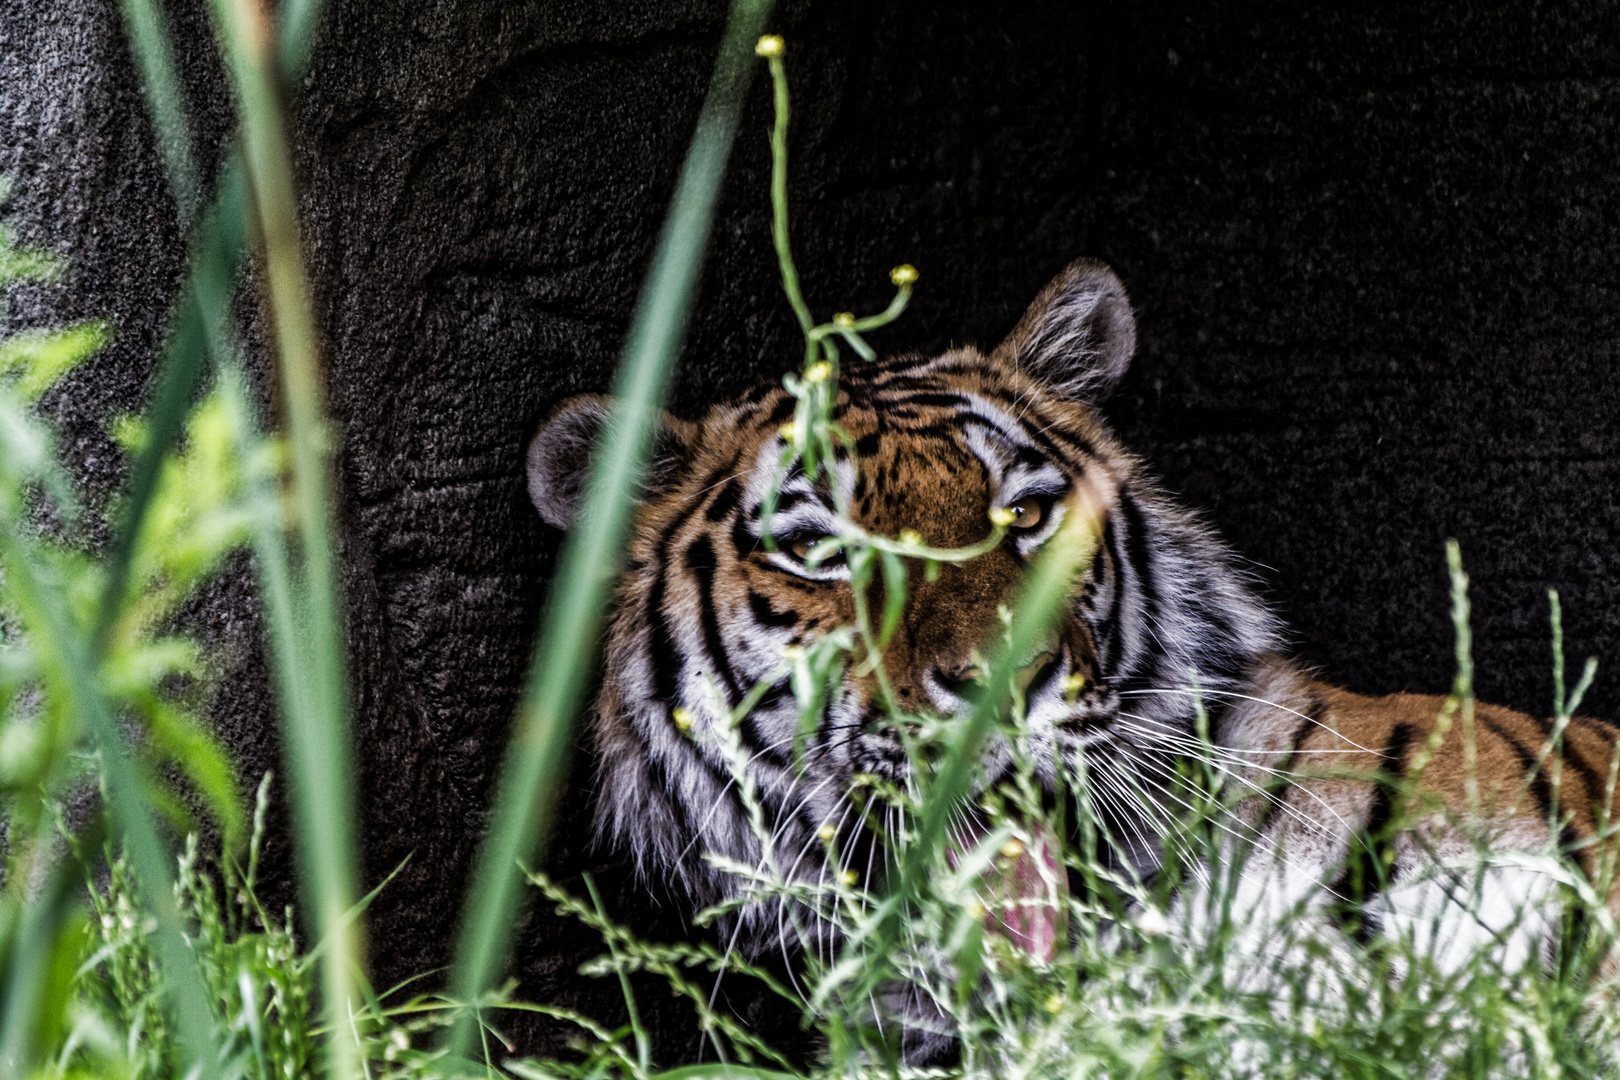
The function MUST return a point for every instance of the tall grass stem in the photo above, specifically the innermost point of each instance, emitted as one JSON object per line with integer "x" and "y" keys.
{"x": 316, "y": 737}
{"x": 553, "y": 694}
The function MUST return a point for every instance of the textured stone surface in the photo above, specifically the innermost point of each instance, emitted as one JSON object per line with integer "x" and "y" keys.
{"x": 1371, "y": 249}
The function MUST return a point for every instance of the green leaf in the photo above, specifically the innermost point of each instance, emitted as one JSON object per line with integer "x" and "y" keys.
{"x": 47, "y": 355}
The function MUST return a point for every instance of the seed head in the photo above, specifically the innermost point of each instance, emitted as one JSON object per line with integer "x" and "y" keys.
{"x": 844, "y": 318}
{"x": 818, "y": 372}
{"x": 1012, "y": 848}
{"x": 910, "y": 536}
{"x": 849, "y": 877}
{"x": 827, "y": 832}
{"x": 904, "y": 274}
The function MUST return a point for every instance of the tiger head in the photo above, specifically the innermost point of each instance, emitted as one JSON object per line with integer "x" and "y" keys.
{"x": 706, "y": 607}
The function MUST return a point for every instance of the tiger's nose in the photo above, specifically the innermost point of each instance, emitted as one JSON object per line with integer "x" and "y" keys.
{"x": 964, "y": 682}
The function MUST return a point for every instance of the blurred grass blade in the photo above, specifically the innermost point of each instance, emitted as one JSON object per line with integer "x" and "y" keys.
{"x": 33, "y": 999}
{"x": 154, "y": 55}
{"x": 203, "y": 314}
{"x": 300, "y": 19}
{"x": 584, "y": 576}
{"x": 311, "y": 656}
{"x": 70, "y": 678}
{"x": 216, "y": 258}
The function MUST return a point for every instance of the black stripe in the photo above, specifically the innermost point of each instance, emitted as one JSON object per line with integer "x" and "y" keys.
{"x": 1541, "y": 789}
{"x": 661, "y": 650}
{"x": 743, "y": 539}
{"x": 755, "y": 746}
{"x": 787, "y": 500}
{"x": 1597, "y": 781}
{"x": 724, "y": 502}
{"x": 700, "y": 560}
{"x": 782, "y": 413}
{"x": 764, "y": 614}
{"x": 665, "y": 657}
{"x": 1284, "y": 782}
{"x": 1372, "y": 854}
{"x": 1114, "y": 632}
{"x": 933, "y": 400}
{"x": 1139, "y": 556}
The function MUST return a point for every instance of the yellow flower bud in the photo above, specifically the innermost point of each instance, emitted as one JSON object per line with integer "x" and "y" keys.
{"x": 1054, "y": 1004}
{"x": 818, "y": 372}
{"x": 769, "y": 45}
{"x": 844, "y": 318}
{"x": 682, "y": 717}
{"x": 904, "y": 274}
{"x": 1012, "y": 848}
{"x": 786, "y": 431}
{"x": 827, "y": 832}
{"x": 975, "y": 909}
{"x": 1000, "y": 515}
{"x": 910, "y": 536}
{"x": 1074, "y": 684}
{"x": 849, "y": 877}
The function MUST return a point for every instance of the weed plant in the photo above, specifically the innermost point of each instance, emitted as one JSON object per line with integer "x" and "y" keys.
{"x": 167, "y": 965}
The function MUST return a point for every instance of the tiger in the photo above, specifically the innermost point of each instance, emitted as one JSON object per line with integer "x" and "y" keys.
{"x": 1166, "y": 629}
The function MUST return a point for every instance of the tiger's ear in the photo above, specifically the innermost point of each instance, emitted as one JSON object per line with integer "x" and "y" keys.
{"x": 1079, "y": 334}
{"x": 559, "y": 455}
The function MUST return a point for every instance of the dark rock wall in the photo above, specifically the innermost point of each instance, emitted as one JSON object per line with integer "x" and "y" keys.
{"x": 1370, "y": 249}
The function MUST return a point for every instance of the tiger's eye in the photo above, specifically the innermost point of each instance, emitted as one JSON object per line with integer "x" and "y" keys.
{"x": 1028, "y": 513}
{"x": 801, "y": 547}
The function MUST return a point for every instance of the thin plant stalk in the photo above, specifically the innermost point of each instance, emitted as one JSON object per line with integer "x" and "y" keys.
{"x": 554, "y": 692}
{"x": 316, "y": 739}
{"x": 1463, "y": 687}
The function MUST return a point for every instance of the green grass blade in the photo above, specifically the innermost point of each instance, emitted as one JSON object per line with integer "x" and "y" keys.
{"x": 300, "y": 19}
{"x": 217, "y": 256}
{"x": 28, "y": 993}
{"x": 309, "y": 625}
{"x": 581, "y": 586}
{"x": 154, "y": 55}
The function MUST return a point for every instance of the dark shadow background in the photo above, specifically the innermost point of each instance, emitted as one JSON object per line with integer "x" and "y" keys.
{"x": 1372, "y": 251}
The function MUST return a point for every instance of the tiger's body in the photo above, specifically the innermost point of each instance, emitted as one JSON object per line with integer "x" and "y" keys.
{"x": 705, "y": 611}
